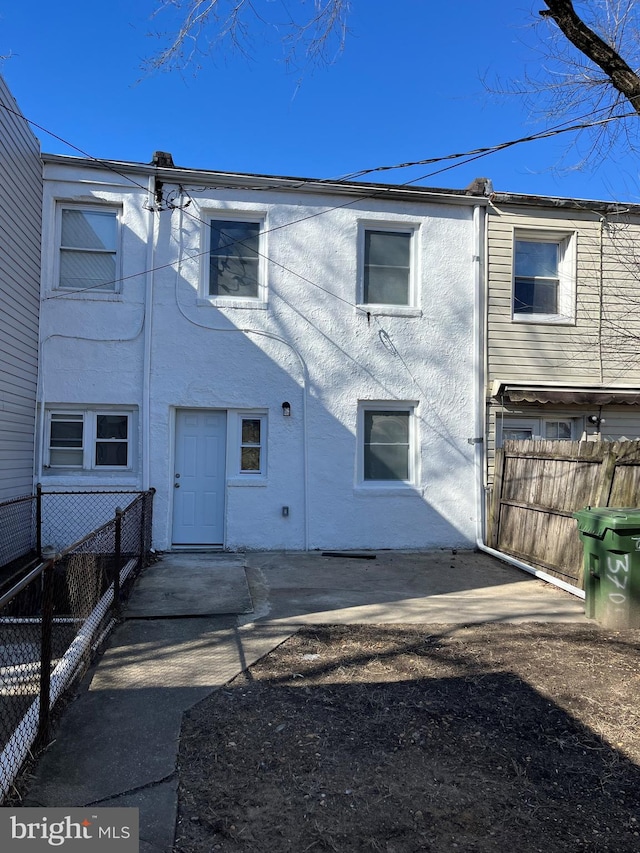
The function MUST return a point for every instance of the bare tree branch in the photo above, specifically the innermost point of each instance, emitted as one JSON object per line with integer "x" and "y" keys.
{"x": 588, "y": 42}
{"x": 206, "y": 27}
{"x": 562, "y": 84}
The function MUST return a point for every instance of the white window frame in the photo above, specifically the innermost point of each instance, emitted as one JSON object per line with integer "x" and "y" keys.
{"x": 236, "y": 475}
{"x": 89, "y": 439}
{"x": 537, "y": 425}
{"x": 566, "y": 242}
{"x": 88, "y": 208}
{"x": 257, "y": 302}
{"x": 411, "y": 308}
{"x": 409, "y": 406}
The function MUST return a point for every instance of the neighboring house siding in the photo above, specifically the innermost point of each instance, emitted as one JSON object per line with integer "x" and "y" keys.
{"x": 538, "y": 351}
{"x": 302, "y": 342}
{"x": 597, "y": 347}
{"x": 20, "y": 229}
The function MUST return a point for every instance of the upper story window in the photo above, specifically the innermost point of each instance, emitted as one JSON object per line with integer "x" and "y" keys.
{"x": 88, "y": 246}
{"x": 388, "y": 266}
{"x": 235, "y": 261}
{"x": 543, "y": 277}
{"x": 89, "y": 440}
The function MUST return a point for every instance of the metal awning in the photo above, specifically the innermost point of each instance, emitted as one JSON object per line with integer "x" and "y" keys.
{"x": 569, "y": 395}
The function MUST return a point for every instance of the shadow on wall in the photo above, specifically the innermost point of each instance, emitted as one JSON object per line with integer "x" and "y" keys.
{"x": 314, "y": 344}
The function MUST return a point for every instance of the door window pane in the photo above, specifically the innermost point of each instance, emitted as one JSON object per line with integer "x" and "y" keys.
{"x": 251, "y": 445}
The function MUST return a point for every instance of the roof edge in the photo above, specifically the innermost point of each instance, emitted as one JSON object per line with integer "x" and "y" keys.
{"x": 240, "y": 180}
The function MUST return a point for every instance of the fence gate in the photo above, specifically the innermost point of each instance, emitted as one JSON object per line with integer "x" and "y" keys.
{"x": 538, "y": 486}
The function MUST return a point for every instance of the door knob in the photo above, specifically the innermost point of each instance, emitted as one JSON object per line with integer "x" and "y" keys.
{"x": 176, "y": 485}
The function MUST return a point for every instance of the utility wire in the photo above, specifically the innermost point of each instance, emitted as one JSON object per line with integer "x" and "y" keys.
{"x": 469, "y": 157}
{"x": 377, "y": 193}
{"x": 475, "y": 153}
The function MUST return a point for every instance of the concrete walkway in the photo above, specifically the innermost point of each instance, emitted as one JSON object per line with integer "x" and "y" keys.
{"x": 186, "y": 632}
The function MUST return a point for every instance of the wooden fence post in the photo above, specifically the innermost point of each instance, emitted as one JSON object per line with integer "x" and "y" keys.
{"x": 605, "y": 480}
{"x": 493, "y": 533}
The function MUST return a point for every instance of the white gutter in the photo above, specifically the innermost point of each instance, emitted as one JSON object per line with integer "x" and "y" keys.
{"x": 480, "y": 337}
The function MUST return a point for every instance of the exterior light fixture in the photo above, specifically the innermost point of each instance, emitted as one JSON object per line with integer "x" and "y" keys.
{"x": 596, "y": 421}
{"x": 286, "y": 410}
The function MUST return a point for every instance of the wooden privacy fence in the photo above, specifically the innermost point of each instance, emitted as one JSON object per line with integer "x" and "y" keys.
{"x": 538, "y": 486}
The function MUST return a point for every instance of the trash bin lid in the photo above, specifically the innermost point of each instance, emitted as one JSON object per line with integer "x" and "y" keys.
{"x": 596, "y": 520}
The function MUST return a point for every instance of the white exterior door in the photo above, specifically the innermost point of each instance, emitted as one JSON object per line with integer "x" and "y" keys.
{"x": 199, "y": 477}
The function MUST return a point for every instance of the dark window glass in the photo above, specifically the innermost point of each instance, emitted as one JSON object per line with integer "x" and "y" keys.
{"x": 387, "y": 258}
{"x": 386, "y": 445}
{"x": 234, "y": 259}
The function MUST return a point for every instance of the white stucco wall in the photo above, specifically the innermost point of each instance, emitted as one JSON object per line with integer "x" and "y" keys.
{"x": 237, "y": 359}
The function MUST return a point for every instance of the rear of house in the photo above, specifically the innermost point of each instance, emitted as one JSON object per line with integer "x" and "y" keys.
{"x": 20, "y": 225}
{"x": 287, "y": 362}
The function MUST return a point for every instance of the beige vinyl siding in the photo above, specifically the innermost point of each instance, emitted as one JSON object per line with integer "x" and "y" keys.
{"x": 20, "y": 226}
{"x": 601, "y": 346}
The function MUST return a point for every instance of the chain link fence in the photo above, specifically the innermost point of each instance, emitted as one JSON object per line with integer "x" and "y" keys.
{"x": 53, "y": 620}
{"x": 18, "y": 533}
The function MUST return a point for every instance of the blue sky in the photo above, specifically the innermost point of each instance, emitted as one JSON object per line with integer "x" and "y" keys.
{"x": 407, "y": 87}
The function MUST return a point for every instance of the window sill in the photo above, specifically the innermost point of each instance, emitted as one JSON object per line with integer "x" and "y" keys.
{"x": 545, "y": 319}
{"x": 395, "y": 490}
{"x": 229, "y": 302}
{"x": 389, "y": 310}
{"x": 81, "y": 479}
{"x": 242, "y": 482}
{"x": 102, "y": 296}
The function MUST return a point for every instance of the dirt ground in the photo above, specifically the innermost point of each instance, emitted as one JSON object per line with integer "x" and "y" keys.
{"x": 421, "y": 738}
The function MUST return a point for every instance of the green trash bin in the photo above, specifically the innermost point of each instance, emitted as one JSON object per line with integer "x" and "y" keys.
{"x": 611, "y": 542}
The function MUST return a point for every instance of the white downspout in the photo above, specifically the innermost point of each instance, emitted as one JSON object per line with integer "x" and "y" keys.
{"x": 145, "y": 409}
{"x": 480, "y": 338}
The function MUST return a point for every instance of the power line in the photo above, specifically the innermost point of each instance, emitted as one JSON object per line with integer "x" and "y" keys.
{"x": 476, "y": 153}
{"x": 376, "y": 193}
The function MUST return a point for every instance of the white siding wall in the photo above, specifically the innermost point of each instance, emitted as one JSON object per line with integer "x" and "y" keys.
{"x": 203, "y": 357}
{"x": 20, "y": 225}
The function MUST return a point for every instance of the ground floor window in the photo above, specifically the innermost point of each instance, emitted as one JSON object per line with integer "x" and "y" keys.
{"x": 251, "y": 445}
{"x": 550, "y": 428}
{"x": 386, "y": 443}
{"x": 89, "y": 439}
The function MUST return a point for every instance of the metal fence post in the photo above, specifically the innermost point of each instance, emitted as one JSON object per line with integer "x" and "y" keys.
{"x": 118, "y": 560}
{"x": 46, "y": 647}
{"x": 39, "y": 520}
{"x": 142, "y": 557}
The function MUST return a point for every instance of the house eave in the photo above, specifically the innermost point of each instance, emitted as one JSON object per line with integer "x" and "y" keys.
{"x": 558, "y": 203}
{"x": 247, "y": 181}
